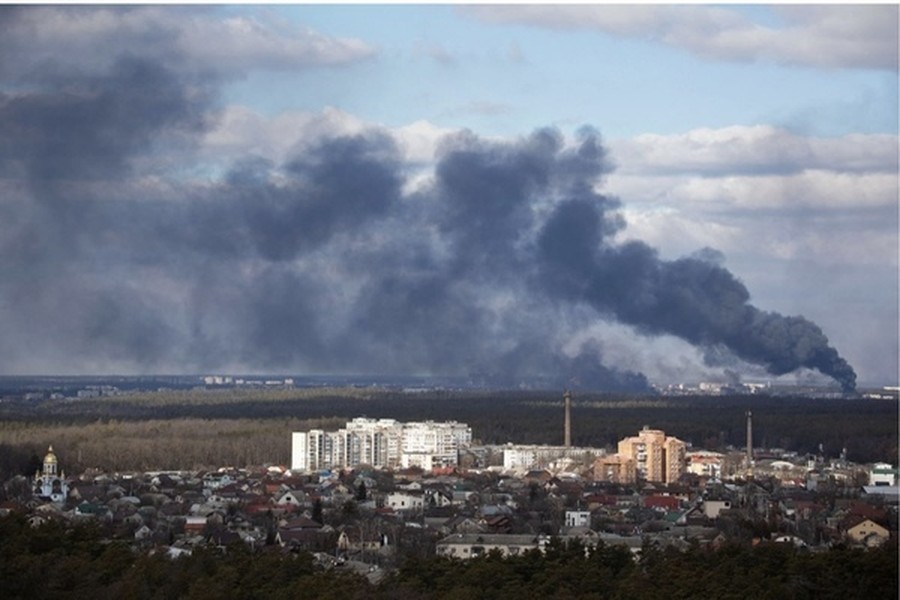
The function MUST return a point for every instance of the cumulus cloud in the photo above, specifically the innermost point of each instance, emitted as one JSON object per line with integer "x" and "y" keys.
{"x": 847, "y": 36}
{"x": 749, "y": 190}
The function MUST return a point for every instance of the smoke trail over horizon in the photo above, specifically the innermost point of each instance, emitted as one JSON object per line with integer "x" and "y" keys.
{"x": 114, "y": 253}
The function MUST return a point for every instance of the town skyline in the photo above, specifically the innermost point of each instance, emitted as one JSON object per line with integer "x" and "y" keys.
{"x": 613, "y": 195}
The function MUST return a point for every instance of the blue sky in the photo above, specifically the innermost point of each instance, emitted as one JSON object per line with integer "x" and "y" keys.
{"x": 188, "y": 137}
{"x": 443, "y": 64}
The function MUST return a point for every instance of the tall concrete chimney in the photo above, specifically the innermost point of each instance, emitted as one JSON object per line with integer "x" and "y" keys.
{"x": 749, "y": 438}
{"x": 568, "y": 427}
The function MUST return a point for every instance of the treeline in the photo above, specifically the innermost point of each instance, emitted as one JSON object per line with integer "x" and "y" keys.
{"x": 49, "y": 561}
{"x": 240, "y": 427}
{"x": 177, "y": 444}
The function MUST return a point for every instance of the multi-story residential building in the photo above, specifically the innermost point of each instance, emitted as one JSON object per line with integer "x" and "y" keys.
{"x": 615, "y": 469}
{"x": 429, "y": 444}
{"x": 383, "y": 443}
{"x": 657, "y": 457}
{"x": 525, "y": 457}
{"x": 373, "y": 442}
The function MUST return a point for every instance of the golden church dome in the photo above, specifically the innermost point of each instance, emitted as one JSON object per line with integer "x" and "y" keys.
{"x": 51, "y": 457}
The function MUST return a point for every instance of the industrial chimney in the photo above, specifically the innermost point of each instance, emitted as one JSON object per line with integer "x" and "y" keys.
{"x": 749, "y": 438}
{"x": 568, "y": 425}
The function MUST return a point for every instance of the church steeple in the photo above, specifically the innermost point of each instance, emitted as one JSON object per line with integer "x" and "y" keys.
{"x": 51, "y": 463}
{"x": 51, "y": 483}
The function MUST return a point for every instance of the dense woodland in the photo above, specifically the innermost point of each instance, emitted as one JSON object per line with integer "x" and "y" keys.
{"x": 239, "y": 427}
{"x": 50, "y": 561}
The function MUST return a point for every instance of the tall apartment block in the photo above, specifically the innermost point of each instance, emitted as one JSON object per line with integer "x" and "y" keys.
{"x": 381, "y": 443}
{"x": 657, "y": 457}
{"x": 651, "y": 455}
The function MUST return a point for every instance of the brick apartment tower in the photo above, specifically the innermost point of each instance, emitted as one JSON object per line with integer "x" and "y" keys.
{"x": 657, "y": 457}
{"x": 568, "y": 424}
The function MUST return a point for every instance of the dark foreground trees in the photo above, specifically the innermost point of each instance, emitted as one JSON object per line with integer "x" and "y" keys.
{"x": 50, "y": 560}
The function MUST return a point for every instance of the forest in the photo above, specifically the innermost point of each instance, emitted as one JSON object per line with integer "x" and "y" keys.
{"x": 49, "y": 561}
{"x": 192, "y": 429}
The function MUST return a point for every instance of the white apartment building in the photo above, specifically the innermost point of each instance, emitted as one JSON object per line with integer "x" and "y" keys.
{"x": 383, "y": 443}
{"x": 429, "y": 444}
{"x": 524, "y": 457}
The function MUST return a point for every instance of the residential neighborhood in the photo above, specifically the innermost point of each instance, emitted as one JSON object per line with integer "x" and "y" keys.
{"x": 371, "y": 518}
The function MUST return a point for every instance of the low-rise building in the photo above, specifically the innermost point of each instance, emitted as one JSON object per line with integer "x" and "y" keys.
{"x": 615, "y": 468}
{"x": 868, "y": 533}
{"x": 883, "y": 474}
{"x": 472, "y": 545}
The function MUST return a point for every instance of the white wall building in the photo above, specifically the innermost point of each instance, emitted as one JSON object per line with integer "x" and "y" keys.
{"x": 578, "y": 518}
{"x": 883, "y": 474}
{"x": 403, "y": 502}
{"x": 705, "y": 463}
{"x": 383, "y": 443}
{"x": 50, "y": 482}
{"x": 523, "y": 458}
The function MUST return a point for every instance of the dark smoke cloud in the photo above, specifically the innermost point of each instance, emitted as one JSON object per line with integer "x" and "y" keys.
{"x": 692, "y": 298}
{"x": 112, "y": 259}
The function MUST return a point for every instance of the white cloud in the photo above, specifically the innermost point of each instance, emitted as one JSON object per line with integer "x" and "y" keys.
{"x": 419, "y": 140}
{"x": 87, "y": 39}
{"x": 760, "y": 149}
{"x": 241, "y": 131}
{"x": 762, "y": 192}
{"x": 855, "y": 36}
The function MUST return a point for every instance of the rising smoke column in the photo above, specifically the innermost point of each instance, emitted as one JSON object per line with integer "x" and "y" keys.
{"x": 694, "y": 299}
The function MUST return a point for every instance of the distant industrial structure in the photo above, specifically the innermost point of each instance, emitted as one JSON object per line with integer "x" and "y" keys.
{"x": 380, "y": 443}
{"x": 749, "y": 439}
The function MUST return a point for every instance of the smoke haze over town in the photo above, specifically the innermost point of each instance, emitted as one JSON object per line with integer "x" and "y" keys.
{"x": 278, "y": 189}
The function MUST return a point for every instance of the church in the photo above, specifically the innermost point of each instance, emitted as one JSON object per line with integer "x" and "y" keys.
{"x": 51, "y": 484}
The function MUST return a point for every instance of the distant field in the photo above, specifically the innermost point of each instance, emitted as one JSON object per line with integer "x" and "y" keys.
{"x": 190, "y": 429}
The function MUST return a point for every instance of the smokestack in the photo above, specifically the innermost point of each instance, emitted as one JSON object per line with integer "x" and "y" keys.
{"x": 568, "y": 425}
{"x": 749, "y": 438}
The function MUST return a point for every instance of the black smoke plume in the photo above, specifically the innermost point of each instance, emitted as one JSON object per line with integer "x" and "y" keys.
{"x": 115, "y": 256}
